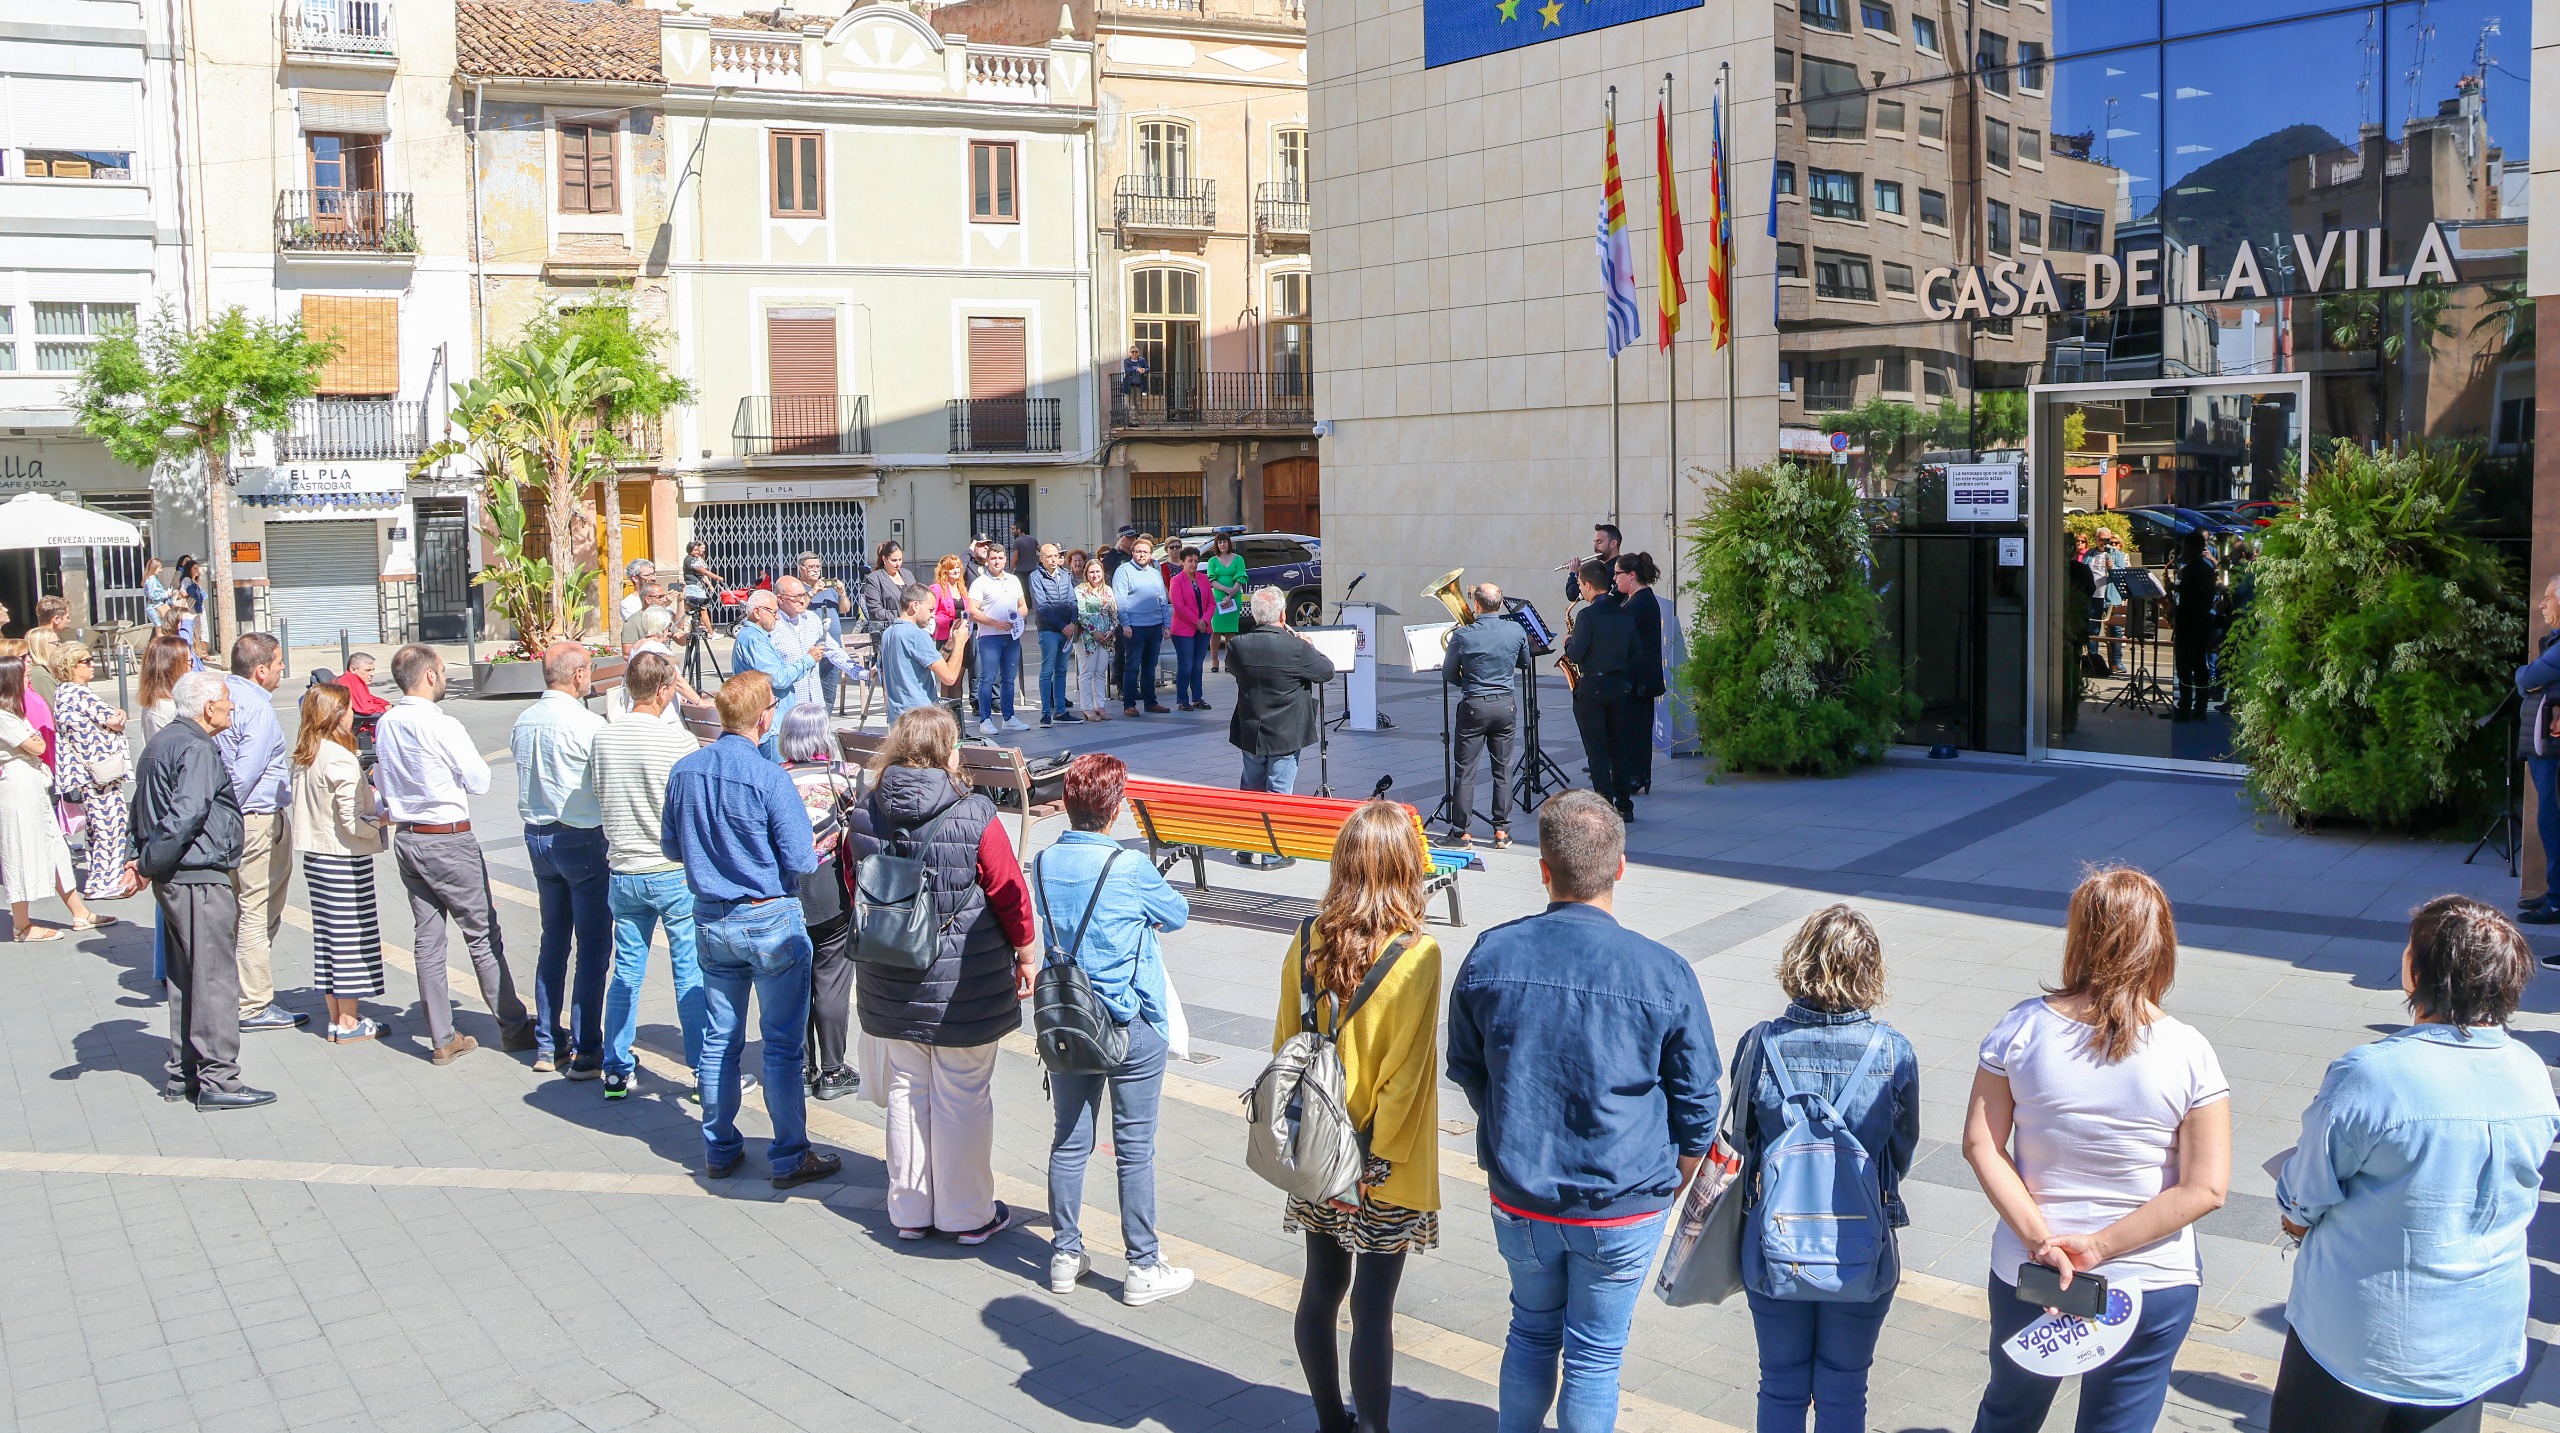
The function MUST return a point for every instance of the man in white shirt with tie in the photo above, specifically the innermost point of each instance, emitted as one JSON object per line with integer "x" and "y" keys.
{"x": 427, "y": 770}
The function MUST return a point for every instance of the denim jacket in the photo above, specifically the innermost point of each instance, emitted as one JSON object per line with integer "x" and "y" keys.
{"x": 2419, "y": 1170}
{"x": 1119, "y": 953}
{"x": 1822, "y": 1050}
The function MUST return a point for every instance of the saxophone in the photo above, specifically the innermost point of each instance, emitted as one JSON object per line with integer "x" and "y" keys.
{"x": 1564, "y": 665}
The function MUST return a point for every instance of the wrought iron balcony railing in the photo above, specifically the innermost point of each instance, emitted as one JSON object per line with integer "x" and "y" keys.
{"x": 1005, "y": 425}
{"x": 345, "y": 221}
{"x": 1284, "y": 399}
{"x": 1281, "y": 209}
{"x": 342, "y": 27}
{"x": 1144, "y": 201}
{"x": 354, "y": 429}
{"x": 790, "y": 425}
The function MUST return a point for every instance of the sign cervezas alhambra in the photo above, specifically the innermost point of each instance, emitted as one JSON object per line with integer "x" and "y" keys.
{"x": 2146, "y": 278}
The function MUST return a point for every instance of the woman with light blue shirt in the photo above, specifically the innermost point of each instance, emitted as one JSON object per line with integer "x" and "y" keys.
{"x": 2419, "y": 1171}
{"x": 1103, "y": 913}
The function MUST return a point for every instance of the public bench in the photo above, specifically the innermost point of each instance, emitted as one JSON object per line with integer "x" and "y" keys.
{"x": 997, "y": 768}
{"x": 1182, "y": 820}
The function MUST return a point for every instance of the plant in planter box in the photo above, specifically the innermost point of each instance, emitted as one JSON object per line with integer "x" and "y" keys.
{"x": 1783, "y": 666}
{"x": 2373, "y": 632}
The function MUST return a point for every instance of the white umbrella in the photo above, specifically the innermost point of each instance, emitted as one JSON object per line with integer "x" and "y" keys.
{"x": 41, "y": 520}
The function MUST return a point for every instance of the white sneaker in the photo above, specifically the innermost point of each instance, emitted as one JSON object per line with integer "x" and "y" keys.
{"x": 1016, "y": 724}
{"x": 1147, "y": 1283}
{"x": 1065, "y": 1269}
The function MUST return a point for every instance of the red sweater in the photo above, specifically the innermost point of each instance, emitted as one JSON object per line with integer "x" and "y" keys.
{"x": 1000, "y": 876}
{"x": 361, "y": 696}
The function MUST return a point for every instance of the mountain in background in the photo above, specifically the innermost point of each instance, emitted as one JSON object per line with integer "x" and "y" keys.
{"x": 2245, "y": 194}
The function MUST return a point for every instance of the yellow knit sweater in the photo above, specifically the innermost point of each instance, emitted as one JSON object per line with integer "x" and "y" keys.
{"x": 1390, "y": 1067}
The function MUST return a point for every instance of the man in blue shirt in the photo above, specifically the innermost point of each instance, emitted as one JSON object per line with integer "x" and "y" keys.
{"x": 764, "y": 645}
{"x": 1138, "y": 590}
{"x": 552, "y": 742}
{"x": 254, "y": 752}
{"x": 913, "y": 671}
{"x": 736, "y": 824}
{"x": 1586, "y": 1053}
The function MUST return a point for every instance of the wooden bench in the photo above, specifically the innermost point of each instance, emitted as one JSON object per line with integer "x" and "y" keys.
{"x": 606, "y": 674}
{"x": 1001, "y": 767}
{"x": 1180, "y": 819}
{"x": 703, "y": 722}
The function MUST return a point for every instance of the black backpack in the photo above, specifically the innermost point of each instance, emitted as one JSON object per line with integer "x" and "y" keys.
{"x": 1076, "y": 1032}
{"x": 896, "y": 922}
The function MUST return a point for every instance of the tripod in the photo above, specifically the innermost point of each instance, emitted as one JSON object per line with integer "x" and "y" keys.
{"x": 2506, "y": 832}
{"x": 698, "y": 656}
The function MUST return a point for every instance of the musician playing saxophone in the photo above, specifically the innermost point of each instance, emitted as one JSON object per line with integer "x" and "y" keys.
{"x": 1605, "y": 709}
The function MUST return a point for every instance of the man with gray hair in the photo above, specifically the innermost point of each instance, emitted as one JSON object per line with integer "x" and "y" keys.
{"x": 1483, "y": 661}
{"x": 1277, "y": 676}
{"x": 765, "y": 645}
{"x": 260, "y": 761}
{"x": 553, "y": 743}
{"x": 800, "y": 626}
{"x": 641, "y": 571}
{"x": 186, "y": 833}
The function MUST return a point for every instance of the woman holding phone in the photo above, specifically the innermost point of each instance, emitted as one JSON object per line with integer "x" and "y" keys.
{"x": 2100, "y": 1129}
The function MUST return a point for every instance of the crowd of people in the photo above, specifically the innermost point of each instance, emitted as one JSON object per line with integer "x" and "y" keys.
{"x": 2097, "y": 1125}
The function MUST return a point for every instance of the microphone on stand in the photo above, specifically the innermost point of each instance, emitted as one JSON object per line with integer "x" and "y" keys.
{"x": 1379, "y": 792}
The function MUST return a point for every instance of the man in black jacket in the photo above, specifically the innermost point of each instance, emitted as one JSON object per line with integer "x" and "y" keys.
{"x": 1605, "y": 710}
{"x": 1277, "y": 676}
{"x": 188, "y": 833}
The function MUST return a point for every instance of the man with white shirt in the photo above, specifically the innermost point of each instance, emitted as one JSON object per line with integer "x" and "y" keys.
{"x": 801, "y": 625}
{"x": 427, "y": 771}
{"x": 641, "y": 571}
{"x": 259, "y": 759}
{"x": 996, "y": 604}
{"x": 564, "y": 840}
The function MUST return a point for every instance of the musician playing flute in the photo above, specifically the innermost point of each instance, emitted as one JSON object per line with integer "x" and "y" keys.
{"x": 1605, "y": 539}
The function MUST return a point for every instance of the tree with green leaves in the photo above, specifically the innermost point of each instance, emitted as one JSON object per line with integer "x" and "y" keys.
{"x": 636, "y": 391}
{"x": 1879, "y": 425}
{"x": 169, "y": 394}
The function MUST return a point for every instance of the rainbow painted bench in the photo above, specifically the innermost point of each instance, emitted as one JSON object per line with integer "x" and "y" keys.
{"x": 1182, "y": 820}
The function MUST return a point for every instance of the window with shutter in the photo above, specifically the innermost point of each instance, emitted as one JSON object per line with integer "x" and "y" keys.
{"x": 991, "y": 190}
{"x": 367, "y": 333}
{"x": 799, "y": 180}
{"x": 589, "y": 181}
{"x": 998, "y": 375}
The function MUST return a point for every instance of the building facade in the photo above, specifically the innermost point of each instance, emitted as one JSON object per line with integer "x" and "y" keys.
{"x": 94, "y": 222}
{"x": 1202, "y": 209}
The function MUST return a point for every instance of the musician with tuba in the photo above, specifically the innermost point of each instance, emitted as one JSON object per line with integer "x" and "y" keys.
{"x": 1485, "y": 657}
{"x": 1615, "y": 726}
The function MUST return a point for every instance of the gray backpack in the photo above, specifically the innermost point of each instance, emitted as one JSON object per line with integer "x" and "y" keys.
{"x": 1299, "y": 1134}
{"x": 896, "y": 922}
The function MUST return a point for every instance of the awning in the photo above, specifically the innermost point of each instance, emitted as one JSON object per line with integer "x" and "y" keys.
{"x": 345, "y": 112}
{"x": 42, "y": 520}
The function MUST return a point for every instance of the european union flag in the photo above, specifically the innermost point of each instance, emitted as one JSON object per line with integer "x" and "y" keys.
{"x": 1454, "y": 30}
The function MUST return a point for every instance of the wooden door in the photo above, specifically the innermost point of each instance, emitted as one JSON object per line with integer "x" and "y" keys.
{"x": 999, "y": 375}
{"x": 800, "y": 358}
{"x": 1289, "y": 499}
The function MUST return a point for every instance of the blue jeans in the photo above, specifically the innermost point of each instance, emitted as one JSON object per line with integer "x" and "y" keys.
{"x": 640, "y": 904}
{"x": 1573, "y": 1295}
{"x": 570, "y": 875}
{"x": 997, "y": 658}
{"x": 1135, "y": 1089}
{"x": 1139, "y": 652}
{"x": 1190, "y": 659}
{"x": 2545, "y": 772}
{"x": 1054, "y": 662}
{"x": 764, "y": 949}
{"x": 1818, "y": 1354}
{"x": 1270, "y": 773}
{"x": 2122, "y": 1395}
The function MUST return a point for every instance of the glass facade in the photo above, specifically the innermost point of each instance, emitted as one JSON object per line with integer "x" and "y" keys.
{"x": 2245, "y": 228}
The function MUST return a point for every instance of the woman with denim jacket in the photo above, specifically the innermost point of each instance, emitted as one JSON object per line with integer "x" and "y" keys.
{"x": 1818, "y": 1354}
{"x": 2419, "y": 1172}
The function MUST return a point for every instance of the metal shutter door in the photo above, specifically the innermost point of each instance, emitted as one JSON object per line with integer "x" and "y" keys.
{"x": 322, "y": 576}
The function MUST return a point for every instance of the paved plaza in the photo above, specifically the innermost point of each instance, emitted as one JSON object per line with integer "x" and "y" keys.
{"x": 399, "y": 1246}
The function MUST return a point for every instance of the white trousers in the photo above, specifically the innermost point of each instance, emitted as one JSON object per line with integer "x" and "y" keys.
{"x": 942, "y": 1135}
{"x": 1093, "y": 671}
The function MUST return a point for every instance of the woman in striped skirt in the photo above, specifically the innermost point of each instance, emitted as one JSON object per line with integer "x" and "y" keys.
{"x": 338, "y": 829}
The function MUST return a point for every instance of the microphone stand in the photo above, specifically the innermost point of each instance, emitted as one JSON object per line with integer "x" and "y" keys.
{"x": 2506, "y": 832}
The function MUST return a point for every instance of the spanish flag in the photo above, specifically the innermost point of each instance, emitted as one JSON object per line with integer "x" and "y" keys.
{"x": 1674, "y": 292}
{"x": 1719, "y": 238}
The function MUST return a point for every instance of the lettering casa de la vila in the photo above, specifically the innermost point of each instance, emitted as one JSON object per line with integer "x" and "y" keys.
{"x": 2354, "y": 259}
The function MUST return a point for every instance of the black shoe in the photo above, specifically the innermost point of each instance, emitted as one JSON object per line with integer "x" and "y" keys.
{"x": 1045, "y": 723}
{"x": 835, "y": 1085}
{"x": 1627, "y": 812}
{"x": 1158, "y": 709}
{"x": 722, "y": 1171}
{"x": 1070, "y": 716}
{"x": 519, "y": 1042}
{"x": 814, "y": 1166}
{"x": 616, "y": 1084}
{"x": 274, "y": 1017}
{"x": 2547, "y": 915}
{"x": 2551, "y": 962}
{"x": 242, "y": 1098}
{"x": 2537, "y": 903}
{"x": 583, "y": 1069}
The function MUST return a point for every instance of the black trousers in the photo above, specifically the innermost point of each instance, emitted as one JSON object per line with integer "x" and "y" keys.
{"x": 830, "y": 993}
{"x": 199, "y": 934}
{"x": 1642, "y": 752}
{"x": 2310, "y": 1400}
{"x": 1483, "y": 722}
{"x": 1370, "y": 1280}
{"x": 2194, "y": 656}
{"x": 1615, "y": 732}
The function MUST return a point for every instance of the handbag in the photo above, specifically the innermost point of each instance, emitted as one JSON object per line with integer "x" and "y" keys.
{"x": 896, "y": 921}
{"x": 1077, "y": 1033}
{"x": 106, "y": 771}
{"x": 1704, "y": 1263}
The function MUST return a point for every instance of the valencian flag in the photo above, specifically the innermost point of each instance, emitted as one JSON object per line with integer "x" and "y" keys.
{"x": 1719, "y": 239}
{"x": 1617, "y": 256}
{"x": 1674, "y": 291}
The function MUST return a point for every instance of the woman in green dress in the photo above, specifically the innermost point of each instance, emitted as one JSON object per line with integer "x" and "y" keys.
{"x": 1227, "y": 584}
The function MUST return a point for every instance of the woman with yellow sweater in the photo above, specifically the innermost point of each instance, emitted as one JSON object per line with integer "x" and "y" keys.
{"x": 1390, "y": 1051}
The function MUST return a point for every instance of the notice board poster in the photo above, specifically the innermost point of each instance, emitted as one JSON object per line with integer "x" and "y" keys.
{"x": 1454, "y": 30}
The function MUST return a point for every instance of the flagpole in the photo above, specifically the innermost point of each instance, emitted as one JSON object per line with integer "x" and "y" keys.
{"x": 1616, "y": 497}
{"x": 1733, "y": 311}
{"x": 1671, "y": 358}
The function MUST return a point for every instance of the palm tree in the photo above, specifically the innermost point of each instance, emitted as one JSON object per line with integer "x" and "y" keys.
{"x": 2508, "y": 321}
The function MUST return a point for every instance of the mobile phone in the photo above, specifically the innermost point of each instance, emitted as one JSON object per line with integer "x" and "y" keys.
{"x": 2041, "y": 1285}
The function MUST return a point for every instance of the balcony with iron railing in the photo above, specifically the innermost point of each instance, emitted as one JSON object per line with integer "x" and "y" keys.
{"x": 1283, "y": 400}
{"x": 344, "y": 29}
{"x": 1282, "y": 210}
{"x": 344, "y": 221}
{"x": 1005, "y": 425}
{"x": 784, "y": 425}
{"x": 353, "y": 430}
{"x": 1148, "y": 201}
{"x": 636, "y": 439}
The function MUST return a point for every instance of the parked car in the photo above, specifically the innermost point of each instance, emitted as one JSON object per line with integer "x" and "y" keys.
{"x": 1290, "y": 561}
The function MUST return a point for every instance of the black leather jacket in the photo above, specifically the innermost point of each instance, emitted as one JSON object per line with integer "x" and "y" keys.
{"x": 186, "y": 818}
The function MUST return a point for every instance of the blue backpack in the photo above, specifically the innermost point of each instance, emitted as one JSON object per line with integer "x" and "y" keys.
{"x": 1818, "y": 1231}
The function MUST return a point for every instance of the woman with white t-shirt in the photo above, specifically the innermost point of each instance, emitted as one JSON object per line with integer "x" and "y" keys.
{"x": 2100, "y": 1128}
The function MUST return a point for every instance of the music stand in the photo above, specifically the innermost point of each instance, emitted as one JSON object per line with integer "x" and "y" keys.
{"x": 2142, "y": 690}
{"x": 1427, "y": 650}
{"x": 1340, "y": 646}
{"x": 2506, "y": 833}
{"x": 1539, "y": 777}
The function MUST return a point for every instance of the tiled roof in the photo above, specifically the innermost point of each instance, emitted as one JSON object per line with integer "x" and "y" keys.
{"x": 557, "y": 40}
{"x": 1025, "y": 23}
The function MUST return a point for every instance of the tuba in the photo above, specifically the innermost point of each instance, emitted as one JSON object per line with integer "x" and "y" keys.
{"x": 1453, "y": 598}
